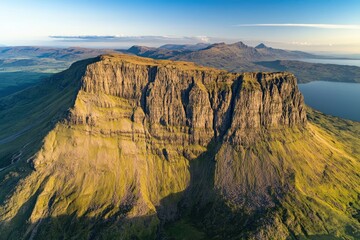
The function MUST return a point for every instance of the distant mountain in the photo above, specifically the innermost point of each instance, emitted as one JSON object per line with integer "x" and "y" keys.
{"x": 157, "y": 53}
{"x": 232, "y": 57}
{"x": 235, "y": 57}
{"x": 4, "y": 63}
{"x": 239, "y": 57}
{"x": 186, "y": 47}
{"x": 221, "y": 50}
{"x": 282, "y": 54}
{"x": 308, "y": 72}
{"x": 63, "y": 54}
{"x": 260, "y": 46}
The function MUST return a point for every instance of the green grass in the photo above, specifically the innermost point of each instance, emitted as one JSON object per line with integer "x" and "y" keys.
{"x": 11, "y": 82}
{"x": 184, "y": 229}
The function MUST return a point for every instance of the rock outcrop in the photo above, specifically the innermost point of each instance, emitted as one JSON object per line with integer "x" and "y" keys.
{"x": 202, "y": 103}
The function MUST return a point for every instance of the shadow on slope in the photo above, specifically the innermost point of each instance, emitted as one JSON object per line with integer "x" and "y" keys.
{"x": 206, "y": 213}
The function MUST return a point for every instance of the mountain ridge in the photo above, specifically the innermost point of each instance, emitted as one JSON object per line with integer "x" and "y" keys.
{"x": 256, "y": 53}
{"x": 238, "y": 57}
{"x": 31, "y": 64}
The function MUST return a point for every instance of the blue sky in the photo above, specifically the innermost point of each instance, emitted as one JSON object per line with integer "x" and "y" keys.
{"x": 314, "y": 25}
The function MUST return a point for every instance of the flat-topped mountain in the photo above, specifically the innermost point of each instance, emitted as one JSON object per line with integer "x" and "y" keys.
{"x": 123, "y": 147}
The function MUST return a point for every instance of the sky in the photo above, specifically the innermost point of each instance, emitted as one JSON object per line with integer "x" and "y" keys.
{"x": 311, "y": 25}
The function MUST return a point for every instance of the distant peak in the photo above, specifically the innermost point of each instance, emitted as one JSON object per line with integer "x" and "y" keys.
{"x": 136, "y": 49}
{"x": 222, "y": 44}
{"x": 218, "y": 44}
{"x": 215, "y": 45}
{"x": 240, "y": 44}
{"x": 261, "y": 45}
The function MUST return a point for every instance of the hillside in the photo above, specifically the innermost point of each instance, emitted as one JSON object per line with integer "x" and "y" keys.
{"x": 134, "y": 148}
{"x": 308, "y": 72}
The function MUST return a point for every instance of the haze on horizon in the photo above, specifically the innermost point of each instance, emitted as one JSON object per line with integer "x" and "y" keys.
{"x": 330, "y": 26}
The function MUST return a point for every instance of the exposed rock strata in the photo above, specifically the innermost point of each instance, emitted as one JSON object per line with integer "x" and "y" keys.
{"x": 201, "y": 103}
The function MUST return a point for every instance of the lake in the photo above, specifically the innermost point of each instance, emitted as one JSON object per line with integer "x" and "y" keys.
{"x": 333, "y": 98}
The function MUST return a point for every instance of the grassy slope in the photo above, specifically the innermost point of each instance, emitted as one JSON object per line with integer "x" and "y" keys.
{"x": 25, "y": 119}
{"x": 320, "y": 170}
{"x": 324, "y": 183}
{"x": 11, "y": 82}
{"x": 16, "y": 77}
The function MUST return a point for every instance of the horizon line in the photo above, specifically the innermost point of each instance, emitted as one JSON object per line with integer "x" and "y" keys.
{"x": 305, "y": 25}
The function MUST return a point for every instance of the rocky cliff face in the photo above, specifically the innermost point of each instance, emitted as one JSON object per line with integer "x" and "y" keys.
{"x": 147, "y": 142}
{"x": 202, "y": 103}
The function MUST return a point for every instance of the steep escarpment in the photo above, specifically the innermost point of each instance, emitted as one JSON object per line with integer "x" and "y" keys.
{"x": 199, "y": 99}
{"x": 148, "y": 143}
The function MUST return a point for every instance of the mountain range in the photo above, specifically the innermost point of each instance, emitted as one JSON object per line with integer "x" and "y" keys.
{"x": 126, "y": 147}
{"x": 231, "y": 57}
{"x": 32, "y": 63}
{"x": 239, "y": 57}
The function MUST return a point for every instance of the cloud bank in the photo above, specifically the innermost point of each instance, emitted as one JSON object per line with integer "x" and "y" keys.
{"x": 304, "y": 25}
{"x": 129, "y": 40}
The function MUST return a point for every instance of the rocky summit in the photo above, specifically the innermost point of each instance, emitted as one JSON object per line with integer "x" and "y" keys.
{"x": 124, "y": 147}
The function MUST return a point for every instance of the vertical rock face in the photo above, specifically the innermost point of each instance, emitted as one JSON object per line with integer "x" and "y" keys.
{"x": 200, "y": 103}
{"x": 265, "y": 101}
{"x": 145, "y": 137}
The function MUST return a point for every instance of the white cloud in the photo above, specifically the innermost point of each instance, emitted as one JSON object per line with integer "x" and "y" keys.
{"x": 203, "y": 39}
{"x": 123, "y": 38}
{"x": 301, "y": 43}
{"x": 305, "y": 25}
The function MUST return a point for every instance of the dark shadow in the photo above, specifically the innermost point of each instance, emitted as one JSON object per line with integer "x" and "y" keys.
{"x": 202, "y": 209}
